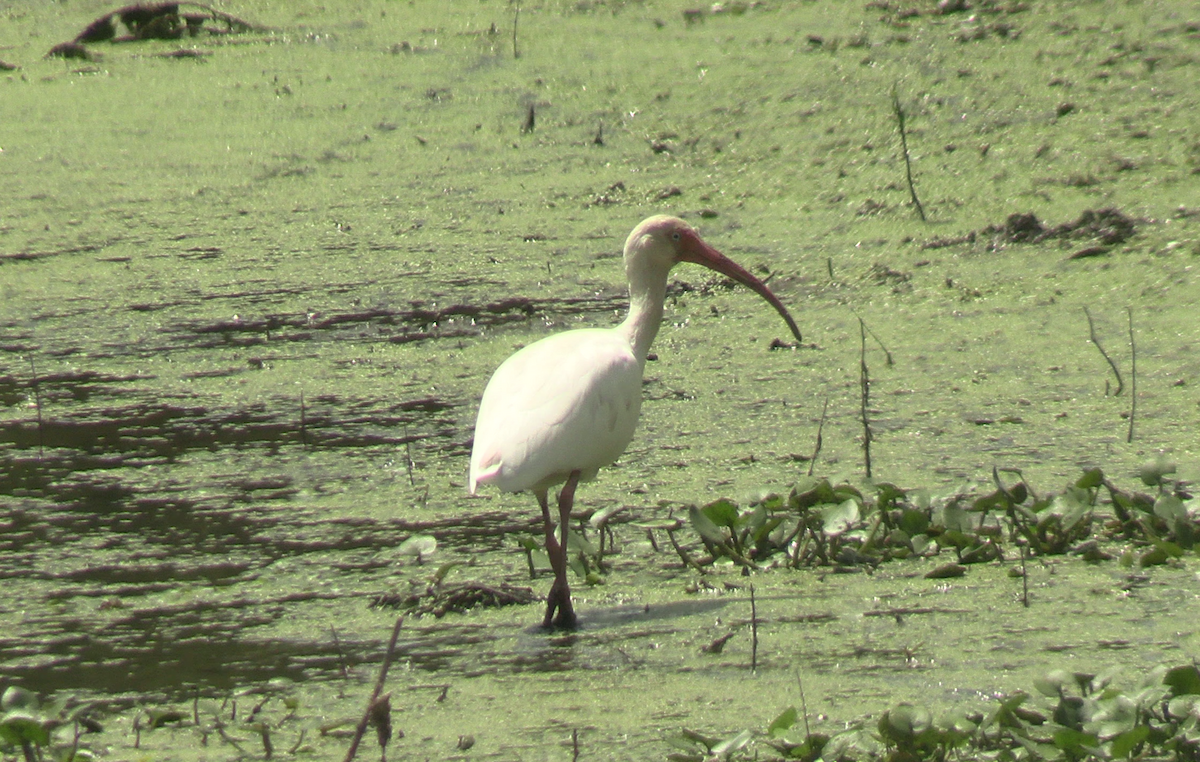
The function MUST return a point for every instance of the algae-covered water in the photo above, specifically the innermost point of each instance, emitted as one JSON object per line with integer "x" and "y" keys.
{"x": 248, "y": 302}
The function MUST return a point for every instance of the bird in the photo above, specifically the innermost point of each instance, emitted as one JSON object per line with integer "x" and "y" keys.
{"x": 560, "y": 409}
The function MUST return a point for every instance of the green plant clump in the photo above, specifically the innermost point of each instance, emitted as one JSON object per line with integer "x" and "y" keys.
{"x": 52, "y": 730}
{"x": 821, "y": 524}
{"x": 1072, "y": 716}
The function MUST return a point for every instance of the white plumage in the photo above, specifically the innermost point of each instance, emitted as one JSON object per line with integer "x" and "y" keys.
{"x": 568, "y": 402}
{"x": 564, "y": 407}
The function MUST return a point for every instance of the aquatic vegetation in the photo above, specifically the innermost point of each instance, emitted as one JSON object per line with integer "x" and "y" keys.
{"x": 821, "y": 524}
{"x": 248, "y": 306}
{"x": 56, "y": 728}
{"x": 1070, "y": 716}
{"x": 244, "y": 720}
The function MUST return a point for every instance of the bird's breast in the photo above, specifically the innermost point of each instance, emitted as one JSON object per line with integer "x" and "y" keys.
{"x": 568, "y": 402}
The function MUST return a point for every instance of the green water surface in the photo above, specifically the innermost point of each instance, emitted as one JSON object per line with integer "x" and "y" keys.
{"x": 254, "y": 284}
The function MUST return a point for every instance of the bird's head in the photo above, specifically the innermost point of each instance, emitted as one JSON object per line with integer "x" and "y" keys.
{"x": 661, "y": 242}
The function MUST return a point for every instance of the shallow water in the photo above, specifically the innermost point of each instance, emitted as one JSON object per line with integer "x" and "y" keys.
{"x": 254, "y": 285}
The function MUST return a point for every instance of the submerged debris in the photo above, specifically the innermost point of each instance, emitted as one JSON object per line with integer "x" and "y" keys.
{"x": 154, "y": 21}
{"x": 72, "y": 50}
{"x": 1108, "y": 227}
{"x": 184, "y": 53}
{"x": 458, "y": 598}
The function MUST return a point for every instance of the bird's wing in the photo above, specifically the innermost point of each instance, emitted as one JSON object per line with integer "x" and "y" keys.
{"x": 570, "y": 401}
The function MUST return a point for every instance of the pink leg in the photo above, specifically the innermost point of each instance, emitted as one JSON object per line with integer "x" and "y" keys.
{"x": 559, "y": 599}
{"x": 556, "y": 555}
{"x": 562, "y": 589}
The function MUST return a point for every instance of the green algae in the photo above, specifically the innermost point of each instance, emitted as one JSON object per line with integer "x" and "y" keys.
{"x": 255, "y": 284}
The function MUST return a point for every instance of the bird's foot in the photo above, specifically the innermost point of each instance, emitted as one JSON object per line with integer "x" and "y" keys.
{"x": 559, "y": 600}
{"x": 566, "y": 619}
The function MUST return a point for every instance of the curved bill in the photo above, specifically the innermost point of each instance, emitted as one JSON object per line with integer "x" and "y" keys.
{"x": 696, "y": 251}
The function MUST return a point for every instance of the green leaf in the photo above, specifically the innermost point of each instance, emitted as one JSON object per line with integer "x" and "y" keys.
{"x": 1019, "y": 492}
{"x": 1103, "y": 679}
{"x": 811, "y": 745}
{"x": 732, "y": 744}
{"x": 1037, "y": 751}
{"x": 1053, "y": 683}
{"x": 1070, "y": 712}
{"x": 1030, "y": 513}
{"x": 663, "y": 524}
{"x": 838, "y": 518}
{"x": 708, "y": 742}
{"x": 1092, "y": 478}
{"x": 20, "y": 727}
{"x": 1185, "y": 533}
{"x": 705, "y": 527}
{"x": 958, "y": 726}
{"x": 601, "y": 517}
{"x": 577, "y": 543}
{"x": 1005, "y": 714}
{"x": 443, "y": 570}
{"x": 846, "y": 492}
{"x": 723, "y": 512}
{"x": 887, "y": 494}
{"x": 1072, "y": 506}
{"x": 1184, "y": 706}
{"x": 914, "y": 522}
{"x": 1152, "y": 473}
{"x": 904, "y": 722}
{"x": 783, "y": 722}
{"x": 577, "y": 565}
{"x": 1170, "y": 509}
{"x": 159, "y": 717}
{"x": 852, "y": 744}
{"x": 751, "y": 521}
{"x": 898, "y": 537}
{"x": 1124, "y": 744}
{"x": 958, "y": 520}
{"x": 980, "y": 553}
{"x": 1183, "y": 681}
{"x": 955, "y": 539}
{"x": 1075, "y": 741}
{"x": 1153, "y": 557}
{"x": 540, "y": 559}
{"x": 1116, "y": 714}
{"x": 529, "y": 543}
{"x": 772, "y": 501}
{"x": 420, "y": 546}
{"x": 989, "y": 502}
{"x": 810, "y": 492}
{"x": 18, "y": 698}
{"x": 763, "y": 532}
{"x": 1170, "y": 548}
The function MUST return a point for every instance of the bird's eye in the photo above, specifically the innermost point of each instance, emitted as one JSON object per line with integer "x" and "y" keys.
{"x": 675, "y": 236}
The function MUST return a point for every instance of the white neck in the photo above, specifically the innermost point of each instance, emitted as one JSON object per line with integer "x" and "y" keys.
{"x": 647, "y": 291}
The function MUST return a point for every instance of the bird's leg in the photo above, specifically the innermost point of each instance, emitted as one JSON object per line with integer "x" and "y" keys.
{"x": 552, "y": 550}
{"x": 566, "y": 499}
{"x": 548, "y": 524}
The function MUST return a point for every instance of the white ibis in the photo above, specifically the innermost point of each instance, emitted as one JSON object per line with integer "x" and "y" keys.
{"x": 562, "y": 408}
